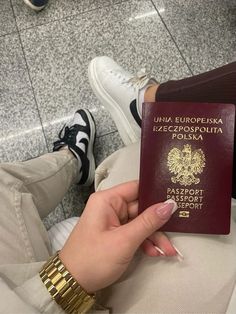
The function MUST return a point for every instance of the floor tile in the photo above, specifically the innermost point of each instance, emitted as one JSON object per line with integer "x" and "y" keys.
{"x": 75, "y": 200}
{"x": 58, "y": 55}
{"x": 21, "y": 133}
{"x": 23, "y": 145}
{"x": 106, "y": 145}
{"x": 7, "y": 24}
{"x": 3, "y": 155}
{"x": 54, "y": 217}
{"x": 205, "y": 31}
{"x": 12, "y": 65}
{"x": 56, "y": 9}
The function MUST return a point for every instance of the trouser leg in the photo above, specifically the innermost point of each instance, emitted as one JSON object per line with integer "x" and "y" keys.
{"x": 29, "y": 191}
{"x": 216, "y": 86}
{"x": 202, "y": 283}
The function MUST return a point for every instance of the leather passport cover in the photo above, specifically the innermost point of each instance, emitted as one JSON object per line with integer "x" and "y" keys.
{"x": 187, "y": 155}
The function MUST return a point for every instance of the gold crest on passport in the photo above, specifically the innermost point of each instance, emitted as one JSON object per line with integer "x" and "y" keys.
{"x": 187, "y": 155}
{"x": 186, "y": 164}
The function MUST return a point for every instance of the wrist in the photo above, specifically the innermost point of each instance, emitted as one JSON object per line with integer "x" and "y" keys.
{"x": 77, "y": 268}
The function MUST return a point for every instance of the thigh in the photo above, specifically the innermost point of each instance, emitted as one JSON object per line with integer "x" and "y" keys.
{"x": 47, "y": 178}
{"x": 202, "y": 283}
{"x": 23, "y": 237}
{"x": 122, "y": 166}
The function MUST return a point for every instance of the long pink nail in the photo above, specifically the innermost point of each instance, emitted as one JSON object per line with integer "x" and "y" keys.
{"x": 159, "y": 250}
{"x": 179, "y": 255}
{"x": 167, "y": 209}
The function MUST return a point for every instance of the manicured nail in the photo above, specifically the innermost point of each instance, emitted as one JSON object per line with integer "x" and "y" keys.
{"x": 159, "y": 250}
{"x": 167, "y": 209}
{"x": 170, "y": 201}
{"x": 179, "y": 255}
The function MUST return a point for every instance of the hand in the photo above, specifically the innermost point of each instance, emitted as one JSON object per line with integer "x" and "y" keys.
{"x": 104, "y": 241}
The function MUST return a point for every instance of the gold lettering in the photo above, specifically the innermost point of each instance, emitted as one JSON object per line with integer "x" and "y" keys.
{"x": 187, "y": 137}
{"x": 187, "y": 199}
{"x": 198, "y": 120}
{"x": 162, "y": 119}
{"x": 187, "y": 132}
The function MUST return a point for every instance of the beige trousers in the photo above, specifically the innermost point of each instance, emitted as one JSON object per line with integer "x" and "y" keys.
{"x": 202, "y": 284}
{"x": 29, "y": 191}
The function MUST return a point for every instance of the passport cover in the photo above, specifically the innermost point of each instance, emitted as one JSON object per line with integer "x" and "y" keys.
{"x": 187, "y": 155}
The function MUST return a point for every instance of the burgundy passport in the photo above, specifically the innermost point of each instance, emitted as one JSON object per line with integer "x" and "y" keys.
{"x": 187, "y": 155}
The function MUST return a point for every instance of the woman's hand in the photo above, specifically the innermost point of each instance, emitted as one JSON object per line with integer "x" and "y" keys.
{"x": 109, "y": 232}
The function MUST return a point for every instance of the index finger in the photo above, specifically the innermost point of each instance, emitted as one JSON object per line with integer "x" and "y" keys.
{"x": 128, "y": 191}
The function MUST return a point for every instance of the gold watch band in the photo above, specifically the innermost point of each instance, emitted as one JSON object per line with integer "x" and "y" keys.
{"x": 64, "y": 289}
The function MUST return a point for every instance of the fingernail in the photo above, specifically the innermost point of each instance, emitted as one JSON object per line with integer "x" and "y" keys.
{"x": 167, "y": 209}
{"x": 179, "y": 255}
{"x": 159, "y": 250}
{"x": 170, "y": 201}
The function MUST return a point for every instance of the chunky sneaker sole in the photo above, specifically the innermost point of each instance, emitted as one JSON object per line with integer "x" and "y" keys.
{"x": 36, "y": 5}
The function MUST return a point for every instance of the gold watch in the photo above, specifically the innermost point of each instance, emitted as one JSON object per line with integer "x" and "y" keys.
{"x": 64, "y": 289}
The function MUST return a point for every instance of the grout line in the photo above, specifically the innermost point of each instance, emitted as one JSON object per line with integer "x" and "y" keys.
{"x": 112, "y": 132}
{"x": 30, "y": 79}
{"x": 181, "y": 54}
{"x": 12, "y": 33}
{"x": 70, "y": 16}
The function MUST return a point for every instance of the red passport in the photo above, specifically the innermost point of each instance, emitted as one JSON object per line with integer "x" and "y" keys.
{"x": 187, "y": 155}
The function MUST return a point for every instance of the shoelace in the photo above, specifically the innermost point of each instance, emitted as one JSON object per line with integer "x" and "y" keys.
{"x": 138, "y": 80}
{"x": 69, "y": 133}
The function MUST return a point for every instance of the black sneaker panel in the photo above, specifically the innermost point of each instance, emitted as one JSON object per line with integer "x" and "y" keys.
{"x": 134, "y": 112}
{"x": 85, "y": 163}
{"x": 58, "y": 145}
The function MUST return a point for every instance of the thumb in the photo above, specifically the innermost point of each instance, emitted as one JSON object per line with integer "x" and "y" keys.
{"x": 148, "y": 222}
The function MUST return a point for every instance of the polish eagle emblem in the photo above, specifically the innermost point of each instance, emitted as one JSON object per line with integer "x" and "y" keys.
{"x": 185, "y": 164}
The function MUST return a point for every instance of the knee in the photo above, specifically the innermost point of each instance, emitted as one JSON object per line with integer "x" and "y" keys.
{"x": 8, "y": 177}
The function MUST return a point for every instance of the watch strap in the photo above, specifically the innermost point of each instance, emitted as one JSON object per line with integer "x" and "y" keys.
{"x": 64, "y": 289}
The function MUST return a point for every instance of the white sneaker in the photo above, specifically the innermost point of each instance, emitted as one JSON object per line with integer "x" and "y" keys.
{"x": 119, "y": 92}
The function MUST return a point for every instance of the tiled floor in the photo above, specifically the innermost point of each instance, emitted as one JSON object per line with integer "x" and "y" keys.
{"x": 44, "y": 59}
